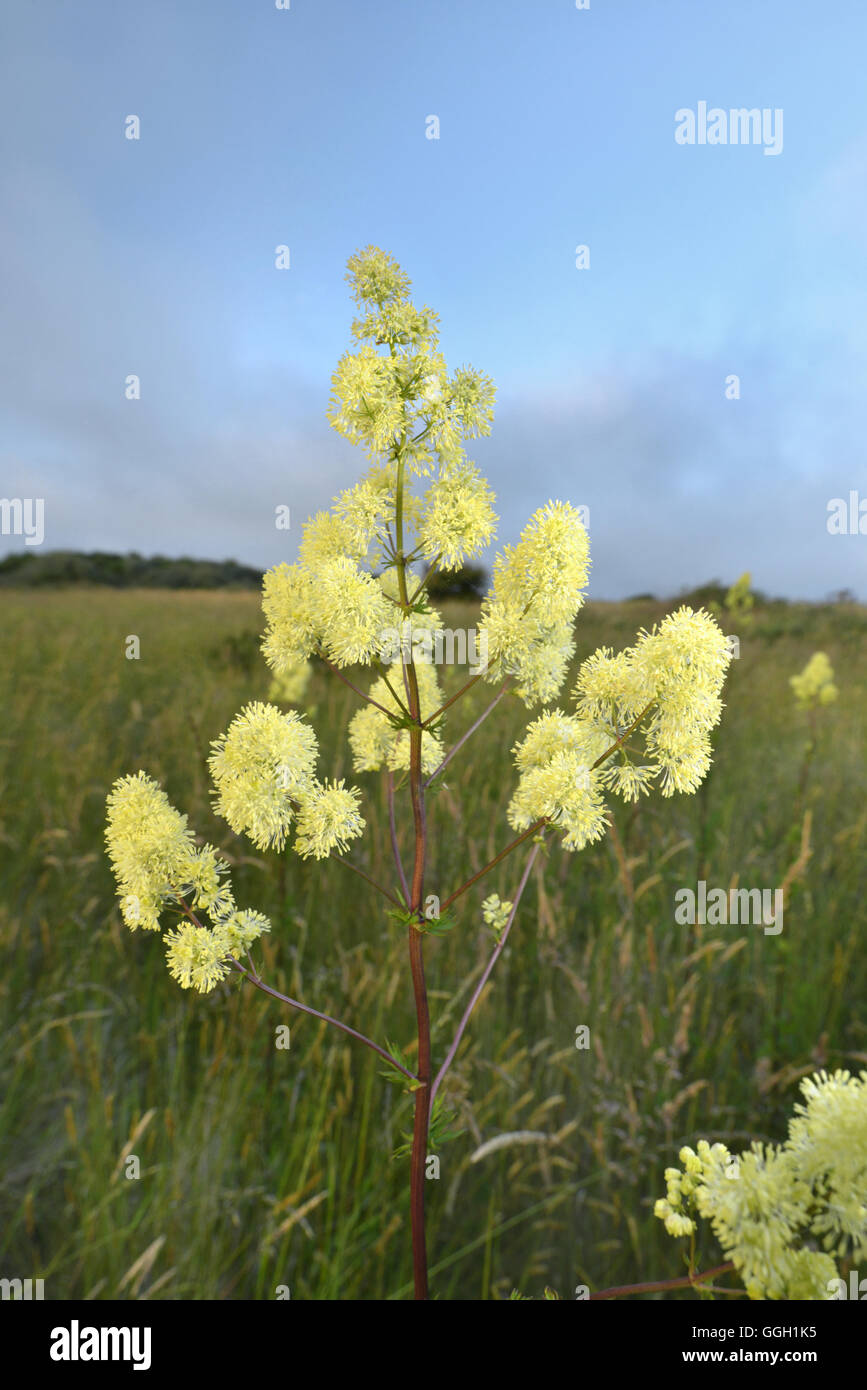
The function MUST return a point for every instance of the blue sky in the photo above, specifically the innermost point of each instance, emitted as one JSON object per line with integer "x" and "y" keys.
{"x": 306, "y": 127}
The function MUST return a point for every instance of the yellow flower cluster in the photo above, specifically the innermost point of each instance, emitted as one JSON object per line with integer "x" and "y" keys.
{"x": 557, "y": 781}
{"x": 199, "y": 957}
{"x": 151, "y": 849}
{"x": 157, "y": 865}
{"x": 404, "y": 394}
{"x": 263, "y": 769}
{"x": 393, "y": 394}
{"x": 495, "y": 912}
{"x": 815, "y": 684}
{"x": 537, "y": 591}
{"x": 337, "y": 608}
{"x": 367, "y": 510}
{"x": 328, "y": 818}
{"x": 458, "y": 518}
{"x": 828, "y": 1139}
{"x": 770, "y": 1206}
{"x": 665, "y": 689}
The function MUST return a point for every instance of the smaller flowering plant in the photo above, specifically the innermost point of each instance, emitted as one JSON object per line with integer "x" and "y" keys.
{"x": 782, "y": 1213}
{"x": 814, "y": 685}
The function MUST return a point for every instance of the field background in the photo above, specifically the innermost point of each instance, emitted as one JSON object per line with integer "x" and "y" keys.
{"x": 263, "y": 1167}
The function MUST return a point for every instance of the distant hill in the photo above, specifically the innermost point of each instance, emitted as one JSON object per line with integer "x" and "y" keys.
{"x": 28, "y": 570}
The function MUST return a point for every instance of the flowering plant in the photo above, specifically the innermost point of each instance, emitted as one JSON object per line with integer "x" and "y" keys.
{"x": 781, "y": 1212}
{"x": 640, "y": 719}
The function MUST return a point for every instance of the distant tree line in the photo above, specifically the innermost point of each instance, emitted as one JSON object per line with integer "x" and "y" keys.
{"x": 32, "y": 569}
{"x": 29, "y": 569}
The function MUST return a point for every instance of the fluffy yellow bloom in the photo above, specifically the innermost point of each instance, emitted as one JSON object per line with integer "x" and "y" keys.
{"x": 757, "y": 1216}
{"x": 681, "y": 666}
{"x": 548, "y": 568}
{"x": 566, "y": 792}
{"x": 554, "y": 732}
{"x": 815, "y": 684}
{"x": 289, "y": 603}
{"x": 328, "y": 819}
{"x": 603, "y": 689}
{"x": 628, "y": 780}
{"x": 238, "y": 930}
{"x": 261, "y": 766}
{"x": 772, "y": 1204}
{"x": 458, "y": 519}
{"x": 353, "y": 613}
{"x": 472, "y": 396}
{"x": 157, "y": 865}
{"x": 150, "y": 847}
{"x": 537, "y": 591}
{"x": 495, "y": 912}
{"x": 367, "y": 406}
{"x": 671, "y": 679}
{"x": 368, "y": 508}
{"x": 199, "y": 958}
{"x": 195, "y": 957}
{"x": 668, "y": 683}
{"x": 336, "y": 606}
{"x": 828, "y": 1141}
{"x": 327, "y": 537}
{"x": 402, "y": 396}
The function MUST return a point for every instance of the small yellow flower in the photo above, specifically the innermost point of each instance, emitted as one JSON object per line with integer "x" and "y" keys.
{"x": 815, "y": 684}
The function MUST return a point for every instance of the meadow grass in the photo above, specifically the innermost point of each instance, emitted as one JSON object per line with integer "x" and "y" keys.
{"x": 263, "y": 1167}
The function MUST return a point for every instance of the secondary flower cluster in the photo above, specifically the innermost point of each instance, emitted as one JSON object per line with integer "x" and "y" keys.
{"x": 528, "y": 617}
{"x": 815, "y": 684}
{"x": 157, "y": 865}
{"x": 664, "y": 690}
{"x": 496, "y": 913}
{"x": 771, "y": 1206}
{"x": 264, "y": 779}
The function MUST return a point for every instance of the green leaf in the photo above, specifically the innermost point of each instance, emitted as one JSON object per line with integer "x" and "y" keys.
{"x": 401, "y": 721}
{"x": 405, "y": 919}
{"x": 439, "y": 926}
{"x": 394, "y": 1077}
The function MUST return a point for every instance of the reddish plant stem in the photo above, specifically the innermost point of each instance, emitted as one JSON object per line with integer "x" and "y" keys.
{"x": 421, "y": 1119}
{"x": 428, "y": 575}
{"x": 254, "y": 978}
{"x": 432, "y": 718}
{"x": 625, "y": 735}
{"x": 397, "y": 700}
{"x": 661, "y": 1284}
{"x": 525, "y": 835}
